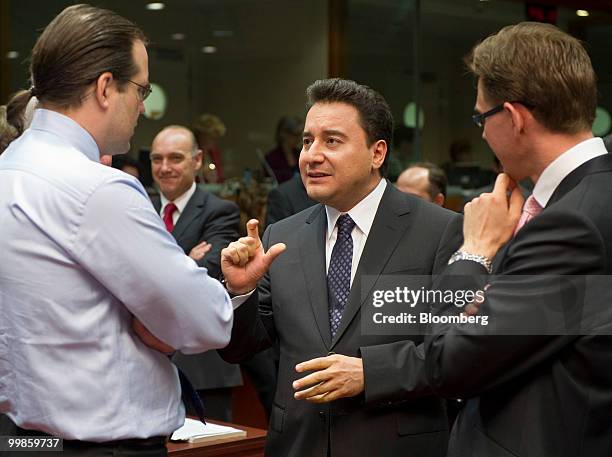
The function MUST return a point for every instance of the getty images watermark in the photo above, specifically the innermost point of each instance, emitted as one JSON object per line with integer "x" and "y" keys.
{"x": 408, "y": 297}
{"x": 494, "y": 305}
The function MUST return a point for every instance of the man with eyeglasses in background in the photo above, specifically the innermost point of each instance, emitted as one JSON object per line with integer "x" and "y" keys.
{"x": 88, "y": 268}
{"x": 537, "y": 378}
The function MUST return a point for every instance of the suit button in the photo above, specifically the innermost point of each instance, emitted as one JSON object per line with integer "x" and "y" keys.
{"x": 322, "y": 415}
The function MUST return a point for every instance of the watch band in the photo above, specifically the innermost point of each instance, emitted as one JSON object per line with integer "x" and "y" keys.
{"x": 231, "y": 294}
{"x": 481, "y": 259}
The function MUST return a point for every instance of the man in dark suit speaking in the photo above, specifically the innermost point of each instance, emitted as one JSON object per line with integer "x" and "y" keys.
{"x": 340, "y": 391}
{"x": 202, "y": 225}
{"x": 534, "y": 388}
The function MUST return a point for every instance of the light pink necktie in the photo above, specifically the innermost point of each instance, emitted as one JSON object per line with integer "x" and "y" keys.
{"x": 531, "y": 209}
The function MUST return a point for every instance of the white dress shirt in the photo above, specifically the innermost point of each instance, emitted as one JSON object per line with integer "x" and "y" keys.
{"x": 180, "y": 203}
{"x": 563, "y": 165}
{"x": 83, "y": 251}
{"x": 363, "y": 214}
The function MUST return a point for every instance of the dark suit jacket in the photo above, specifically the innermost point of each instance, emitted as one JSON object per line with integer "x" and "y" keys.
{"x": 287, "y": 199}
{"x": 537, "y": 395}
{"x": 396, "y": 415}
{"x": 207, "y": 217}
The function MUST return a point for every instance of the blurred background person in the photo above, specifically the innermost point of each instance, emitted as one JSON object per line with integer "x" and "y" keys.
{"x": 202, "y": 224}
{"x": 287, "y": 199}
{"x": 208, "y": 129}
{"x": 463, "y": 170}
{"x": 128, "y": 165}
{"x": 403, "y": 153}
{"x": 425, "y": 180}
{"x": 283, "y": 159}
{"x": 9, "y": 132}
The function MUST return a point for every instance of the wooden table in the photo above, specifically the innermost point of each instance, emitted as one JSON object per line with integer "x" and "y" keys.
{"x": 251, "y": 445}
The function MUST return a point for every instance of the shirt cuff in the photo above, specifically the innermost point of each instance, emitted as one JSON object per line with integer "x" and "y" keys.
{"x": 238, "y": 300}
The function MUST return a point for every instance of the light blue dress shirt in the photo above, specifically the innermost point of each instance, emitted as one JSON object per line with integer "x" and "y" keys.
{"x": 82, "y": 251}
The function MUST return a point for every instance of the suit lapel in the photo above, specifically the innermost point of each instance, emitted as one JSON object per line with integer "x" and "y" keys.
{"x": 312, "y": 255}
{"x": 191, "y": 211}
{"x": 596, "y": 165}
{"x": 385, "y": 234}
{"x": 156, "y": 204}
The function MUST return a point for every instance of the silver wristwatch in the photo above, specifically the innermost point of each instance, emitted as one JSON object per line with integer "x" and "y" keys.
{"x": 481, "y": 259}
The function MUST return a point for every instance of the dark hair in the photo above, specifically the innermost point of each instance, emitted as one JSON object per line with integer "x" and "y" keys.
{"x": 7, "y": 131}
{"x": 80, "y": 44}
{"x": 542, "y": 67}
{"x": 12, "y": 118}
{"x": 436, "y": 177}
{"x": 288, "y": 124}
{"x": 374, "y": 113}
{"x": 122, "y": 161}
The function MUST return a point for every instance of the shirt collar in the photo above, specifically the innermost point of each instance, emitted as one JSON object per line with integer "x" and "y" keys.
{"x": 563, "y": 165}
{"x": 181, "y": 201}
{"x": 362, "y": 213}
{"x": 66, "y": 128}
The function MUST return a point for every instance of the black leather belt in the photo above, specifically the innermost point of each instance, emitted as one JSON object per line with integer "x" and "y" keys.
{"x": 130, "y": 442}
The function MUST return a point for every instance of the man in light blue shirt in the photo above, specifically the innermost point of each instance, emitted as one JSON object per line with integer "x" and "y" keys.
{"x": 85, "y": 255}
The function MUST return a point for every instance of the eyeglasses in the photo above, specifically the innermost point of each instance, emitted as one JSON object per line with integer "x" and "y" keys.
{"x": 479, "y": 119}
{"x": 143, "y": 91}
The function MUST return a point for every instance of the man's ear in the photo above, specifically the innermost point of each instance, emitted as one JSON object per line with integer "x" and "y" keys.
{"x": 102, "y": 89}
{"x": 199, "y": 157}
{"x": 518, "y": 114}
{"x": 379, "y": 154}
{"x": 439, "y": 199}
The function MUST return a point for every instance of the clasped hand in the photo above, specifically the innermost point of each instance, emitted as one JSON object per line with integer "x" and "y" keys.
{"x": 335, "y": 376}
{"x": 198, "y": 252}
{"x": 490, "y": 219}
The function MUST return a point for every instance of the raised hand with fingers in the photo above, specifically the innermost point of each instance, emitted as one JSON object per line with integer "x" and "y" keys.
{"x": 244, "y": 262}
{"x": 490, "y": 219}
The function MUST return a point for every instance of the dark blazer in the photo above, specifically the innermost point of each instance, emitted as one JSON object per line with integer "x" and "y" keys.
{"x": 396, "y": 415}
{"x": 537, "y": 395}
{"x": 287, "y": 199}
{"x": 207, "y": 217}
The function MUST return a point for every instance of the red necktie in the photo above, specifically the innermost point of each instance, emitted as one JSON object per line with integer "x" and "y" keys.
{"x": 531, "y": 209}
{"x": 169, "y": 210}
